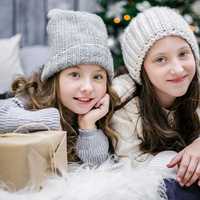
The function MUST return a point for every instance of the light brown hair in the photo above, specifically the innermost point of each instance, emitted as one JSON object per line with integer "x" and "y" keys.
{"x": 46, "y": 94}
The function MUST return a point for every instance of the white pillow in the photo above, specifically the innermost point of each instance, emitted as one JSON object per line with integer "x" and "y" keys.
{"x": 10, "y": 65}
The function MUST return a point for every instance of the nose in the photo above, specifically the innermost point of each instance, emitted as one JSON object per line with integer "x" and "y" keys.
{"x": 177, "y": 67}
{"x": 86, "y": 86}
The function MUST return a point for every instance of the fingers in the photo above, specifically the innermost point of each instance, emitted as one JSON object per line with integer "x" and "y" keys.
{"x": 183, "y": 168}
{"x": 194, "y": 170}
{"x": 175, "y": 160}
{"x": 190, "y": 171}
{"x": 188, "y": 162}
{"x": 103, "y": 101}
{"x": 103, "y": 104}
{"x": 89, "y": 119}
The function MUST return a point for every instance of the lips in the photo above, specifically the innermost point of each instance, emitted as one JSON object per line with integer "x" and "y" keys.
{"x": 177, "y": 79}
{"x": 83, "y": 99}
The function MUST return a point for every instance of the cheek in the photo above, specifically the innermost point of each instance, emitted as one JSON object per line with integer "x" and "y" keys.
{"x": 101, "y": 90}
{"x": 64, "y": 91}
{"x": 191, "y": 68}
{"x": 151, "y": 74}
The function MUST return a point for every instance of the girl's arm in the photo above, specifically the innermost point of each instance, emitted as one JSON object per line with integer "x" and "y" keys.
{"x": 92, "y": 146}
{"x": 13, "y": 115}
{"x": 188, "y": 161}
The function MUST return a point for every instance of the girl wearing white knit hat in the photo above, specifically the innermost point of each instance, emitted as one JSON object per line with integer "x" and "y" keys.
{"x": 158, "y": 121}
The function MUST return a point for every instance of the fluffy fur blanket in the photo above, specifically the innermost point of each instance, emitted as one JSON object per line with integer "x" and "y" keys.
{"x": 107, "y": 182}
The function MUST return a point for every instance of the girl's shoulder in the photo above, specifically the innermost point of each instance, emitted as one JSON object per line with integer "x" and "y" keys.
{"x": 14, "y": 114}
{"x": 124, "y": 86}
{"x": 13, "y": 102}
{"x": 129, "y": 111}
{"x": 126, "y": 119}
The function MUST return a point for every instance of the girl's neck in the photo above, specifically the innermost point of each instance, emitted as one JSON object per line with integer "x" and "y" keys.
{"x": 166, "y": 101}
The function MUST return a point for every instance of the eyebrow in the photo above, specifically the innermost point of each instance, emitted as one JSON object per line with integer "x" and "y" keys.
{"x": 100, "y": 70}
{"x": 155, "y": 55}
{"x": 185, "y": 47}
{"x": 163, "y": 53}
{"x": 75, "y": 66}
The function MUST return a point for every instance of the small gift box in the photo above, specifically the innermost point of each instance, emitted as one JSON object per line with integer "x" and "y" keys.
{"x": 27, "y": 159}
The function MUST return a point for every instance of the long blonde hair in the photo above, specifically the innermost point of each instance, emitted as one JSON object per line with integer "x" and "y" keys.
{"x": 45, "y": 94}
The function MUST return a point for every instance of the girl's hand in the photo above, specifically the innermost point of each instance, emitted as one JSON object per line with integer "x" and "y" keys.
{"x": 88, "y": 120}
{"x": 188, "y": 161}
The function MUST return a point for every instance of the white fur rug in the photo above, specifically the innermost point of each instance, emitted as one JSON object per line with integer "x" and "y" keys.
{"x": 108, "y": 182}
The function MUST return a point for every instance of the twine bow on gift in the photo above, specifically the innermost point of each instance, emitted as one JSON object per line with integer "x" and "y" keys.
{"x": 39, "y": 155}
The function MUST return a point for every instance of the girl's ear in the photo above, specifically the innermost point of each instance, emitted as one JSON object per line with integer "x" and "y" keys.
{"x": 124, "y": 86}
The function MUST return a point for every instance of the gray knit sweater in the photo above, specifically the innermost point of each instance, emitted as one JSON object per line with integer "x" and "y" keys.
{"x": 92, "y": 146}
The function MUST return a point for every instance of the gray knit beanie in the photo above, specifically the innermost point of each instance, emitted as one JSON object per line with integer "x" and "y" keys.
{"x": 76, "y": 38}
{"x": 148, "y": 27}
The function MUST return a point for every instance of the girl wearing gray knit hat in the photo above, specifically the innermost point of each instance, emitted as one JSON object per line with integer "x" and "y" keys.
{"x": 158, "y": 121}
{"x": 73, "y": 90}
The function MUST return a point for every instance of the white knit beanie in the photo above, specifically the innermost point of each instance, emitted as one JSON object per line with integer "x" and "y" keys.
{"x": 148, "y": 27}
{"x": 76, "y": 38}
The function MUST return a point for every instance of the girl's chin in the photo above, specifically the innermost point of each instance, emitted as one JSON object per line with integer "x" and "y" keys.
{"x": 83, "y": 108}
{"x": 81, "y": 111}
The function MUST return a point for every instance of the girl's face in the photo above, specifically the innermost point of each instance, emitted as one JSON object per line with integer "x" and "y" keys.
{"x": 170, "y": 66}
{"x": 81, "y": 87}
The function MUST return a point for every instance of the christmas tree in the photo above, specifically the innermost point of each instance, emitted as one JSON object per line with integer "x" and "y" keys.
{"x": 117, "y": 15}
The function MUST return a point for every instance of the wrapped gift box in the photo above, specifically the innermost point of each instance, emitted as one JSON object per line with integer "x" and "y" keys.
{"x": 27, "y": 159}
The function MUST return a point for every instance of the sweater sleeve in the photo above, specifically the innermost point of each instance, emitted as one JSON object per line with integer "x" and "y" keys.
{"x": 13, "y": 114}
{"x": 92, "y": 146}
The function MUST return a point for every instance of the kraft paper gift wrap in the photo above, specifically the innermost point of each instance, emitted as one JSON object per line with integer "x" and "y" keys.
{"x": 27, "y": 159}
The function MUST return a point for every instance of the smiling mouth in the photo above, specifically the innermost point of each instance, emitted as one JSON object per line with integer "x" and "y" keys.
{"x": 177, "y": 80}
{"x": 83, "y": 100}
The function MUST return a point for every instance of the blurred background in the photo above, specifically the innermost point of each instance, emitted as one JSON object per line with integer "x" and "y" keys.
{"x": 117, "y": 15}
{"x": 28, "y": 17}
